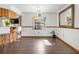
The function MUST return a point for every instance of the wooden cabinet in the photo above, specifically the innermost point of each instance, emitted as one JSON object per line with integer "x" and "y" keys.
{"x": 9, "y": 38}
{"x": 7, "y": 13}
{"x": 11, "y": 14}
{"x": 0, "y": 12}
{"x": 12, "y": 34}
{"x": 1, "y": 40}
{"x": 3, "y": 12}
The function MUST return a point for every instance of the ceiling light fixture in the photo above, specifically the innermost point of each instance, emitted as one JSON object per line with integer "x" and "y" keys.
{"x": 39, "y": 11}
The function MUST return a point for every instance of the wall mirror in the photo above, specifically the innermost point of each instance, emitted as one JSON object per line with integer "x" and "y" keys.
{"x": 66, "y": 17}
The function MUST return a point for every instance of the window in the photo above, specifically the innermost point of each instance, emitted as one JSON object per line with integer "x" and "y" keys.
{"x": 39, "y": 22}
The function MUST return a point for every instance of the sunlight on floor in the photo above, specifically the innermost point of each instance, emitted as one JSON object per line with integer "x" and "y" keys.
{"x": 40, "y": 47}
{"x": 46, "y": 42}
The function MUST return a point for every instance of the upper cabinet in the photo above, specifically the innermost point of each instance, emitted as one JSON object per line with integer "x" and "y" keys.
{"x": 7, "y": 13}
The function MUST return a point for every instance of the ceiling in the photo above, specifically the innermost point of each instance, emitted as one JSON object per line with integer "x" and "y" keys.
{"x": 43, "y": 7}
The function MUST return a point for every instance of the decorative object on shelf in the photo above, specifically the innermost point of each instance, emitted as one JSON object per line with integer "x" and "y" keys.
{"x": 12, "y": 21}
{"x": 7, "y": 23}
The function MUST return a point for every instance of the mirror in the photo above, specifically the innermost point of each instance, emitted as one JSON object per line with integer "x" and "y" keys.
{"x": 66, "y": 17}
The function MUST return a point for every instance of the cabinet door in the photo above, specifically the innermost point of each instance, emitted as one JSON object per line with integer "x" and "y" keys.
{"x": 1, "y": 40}
{"x": 14, "y": 15}
{"x": 5, "y": 13}
{"x": 9, "y": 14}
{"x": 0, "y": 12}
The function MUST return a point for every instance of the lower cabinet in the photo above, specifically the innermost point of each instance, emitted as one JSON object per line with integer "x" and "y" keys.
{"x": 8, "y": 38}
{"x": 4, "y": 38}
{"x": 1, "y": 40}
{"x": 13, "y": 34}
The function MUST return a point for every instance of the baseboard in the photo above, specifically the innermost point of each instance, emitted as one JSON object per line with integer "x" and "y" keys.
{"x": 68, "y": 44}
{"x": 36, "y": 36}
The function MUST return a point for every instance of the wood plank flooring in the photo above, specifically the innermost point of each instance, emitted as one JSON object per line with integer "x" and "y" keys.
{"x": 37, "y": 46}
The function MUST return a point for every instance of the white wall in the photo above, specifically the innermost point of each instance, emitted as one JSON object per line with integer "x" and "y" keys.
{"x": 28, "y": 21}
{"x": 70, "y": 36}
{"x": 31, "y": 32}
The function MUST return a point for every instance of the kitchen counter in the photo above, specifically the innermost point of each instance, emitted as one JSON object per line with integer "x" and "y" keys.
{"x": 4, "y": 30}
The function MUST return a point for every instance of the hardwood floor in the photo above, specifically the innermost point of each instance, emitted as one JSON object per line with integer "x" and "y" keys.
{"x": 37, "y": 46}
